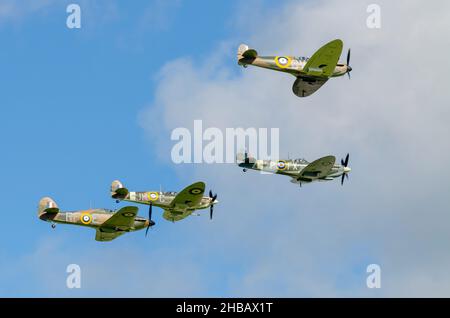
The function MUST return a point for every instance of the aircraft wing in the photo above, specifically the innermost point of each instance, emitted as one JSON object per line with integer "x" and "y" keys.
{"x": 305, "y": 86}
{"x": 324, "y": 61}
{"x": 106, "y": 236}
{"x": 122, "y": 219}
{"x": 174, "y": 216}
{"x": 189, "y": 196}
{"x": 317, "y": 169}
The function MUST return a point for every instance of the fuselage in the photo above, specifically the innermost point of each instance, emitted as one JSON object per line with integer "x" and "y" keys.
{"x": 291, "y": 168}
{"x": 93, "y": 218}
{"x": 288, "y": 64}
{"x": 164, "y": 200}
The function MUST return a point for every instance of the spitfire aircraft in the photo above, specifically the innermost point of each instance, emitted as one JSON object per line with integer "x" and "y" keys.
{"x": 177, "y": 206}
{"x": 108, "y": 224}
{"x": 300, "y": 170}
{"x": 311, "y": 72}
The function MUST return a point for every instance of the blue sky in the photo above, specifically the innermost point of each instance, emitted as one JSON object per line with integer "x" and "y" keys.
{"x": 81, "y": 108}
{"x": 70, "y": 101}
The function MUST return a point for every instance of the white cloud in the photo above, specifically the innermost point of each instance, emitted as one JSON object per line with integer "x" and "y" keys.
{"x": 11, "y": 10}
{"x": 393, "y": 119}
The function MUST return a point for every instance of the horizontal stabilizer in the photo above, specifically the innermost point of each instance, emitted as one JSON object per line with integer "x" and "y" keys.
{"x": 251, "y": 54}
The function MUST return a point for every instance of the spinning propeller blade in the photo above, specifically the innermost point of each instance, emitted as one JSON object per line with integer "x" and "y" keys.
{"x": 211, "y": 207}
{"x": 349, "y": 69}
{"x": 149, "y": 219}
{"x": 344, "y": 163}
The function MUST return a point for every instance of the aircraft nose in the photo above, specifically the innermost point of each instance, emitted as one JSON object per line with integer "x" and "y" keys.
{"x": 347, "y": 169}
{"x": 349, "y": 68}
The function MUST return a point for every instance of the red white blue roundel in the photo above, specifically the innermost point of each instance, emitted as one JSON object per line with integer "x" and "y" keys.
{"x": 86, "y": 218}
{"x": 281, "y": 165}
{"x": 283, "y": 61}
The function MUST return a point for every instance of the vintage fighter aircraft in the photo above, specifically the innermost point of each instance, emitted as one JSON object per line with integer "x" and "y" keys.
{"x": 311, "y": 73}
{"x": 108, "y": 224}
{"x": 177, "y": 206}
{"x": 300, "y": 170}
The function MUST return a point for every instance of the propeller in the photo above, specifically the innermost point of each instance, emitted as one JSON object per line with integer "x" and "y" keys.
{"x": 349, "y": 69}
{"x": 150, "y": 222}
{"x": 211, "y": 207}
{"x": 344, "y": 163}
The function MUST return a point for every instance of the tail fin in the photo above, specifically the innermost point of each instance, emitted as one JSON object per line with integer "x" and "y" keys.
{"x": 245, "y": 52}
{"x": 118, "y": 191}
{"x": 241, "y": 49}
{"x": 47, "y": 205}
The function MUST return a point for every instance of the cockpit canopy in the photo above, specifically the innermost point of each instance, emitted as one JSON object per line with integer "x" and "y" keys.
{"x": 303, "y": 59}
{"x": 300, "y": 161}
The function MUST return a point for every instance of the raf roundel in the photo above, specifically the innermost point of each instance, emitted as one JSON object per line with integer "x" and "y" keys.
{"x": 283, "y": 61}
{"x": 153, "y": 196}
{"x": 86, "y": 218}
{"x": 195, "y": 191}
{"x": 281, "y": 165}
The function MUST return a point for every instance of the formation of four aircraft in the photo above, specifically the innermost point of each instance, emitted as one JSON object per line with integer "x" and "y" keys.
{"x": 311, "y": 73}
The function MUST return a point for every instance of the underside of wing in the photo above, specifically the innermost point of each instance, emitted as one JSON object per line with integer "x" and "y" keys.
{"x": 107, "y": 236}
{"x": 317, "y": 169}
{"x": 174, "y": 216}
{"x": 189, "y": 197}
{"x": 324, "y": 61}
{"x": 305, "y": 86}
{"x": 122, "y": 219}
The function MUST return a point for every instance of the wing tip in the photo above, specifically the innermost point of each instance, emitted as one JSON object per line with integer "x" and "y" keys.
{"x": 199, "y": 184}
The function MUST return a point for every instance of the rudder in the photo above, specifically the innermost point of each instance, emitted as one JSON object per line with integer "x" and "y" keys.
{"x": 118, "y": 191}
